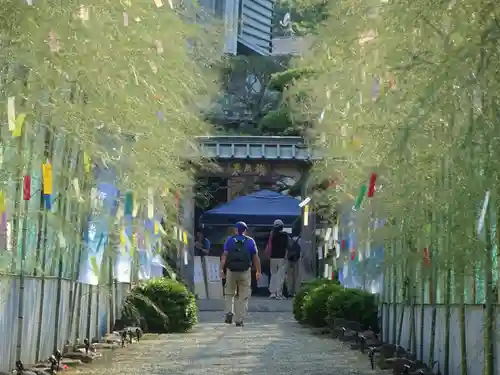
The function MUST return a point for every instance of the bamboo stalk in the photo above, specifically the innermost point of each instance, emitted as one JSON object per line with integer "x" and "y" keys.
{"x": 394, "y": 293}
{"x": 432, "y": 294}
{"x": 489, "y": 349}
{"x": 463, "y": 327}
{"x": 42, "y": 252}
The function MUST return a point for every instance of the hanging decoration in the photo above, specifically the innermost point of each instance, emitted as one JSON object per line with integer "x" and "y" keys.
{"x": 306, "y": 215}
{"x": 184, "y": 237}
{"x": 360, "y": 197}
{"x": 482, "y": 215}
{"x": 18, "y": 126}
{"x": 371, "y": 187}
{"x": 11, "y": 112}
{"x": 427, "y": 257}
{"x": 86, "y": 162}
{"x": 129, "y": 203}
{"x": 151, "y": 207}
{"x": 353, "y": 254}
{"x": 137, "y": 207}
{"x": 47, "y": 184}
{"x": 375, "y": 88}
{"x": 27, "y": 188}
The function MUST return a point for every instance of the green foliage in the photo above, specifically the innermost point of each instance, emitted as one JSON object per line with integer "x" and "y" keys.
{"x": 354, "y": 305}
{"x": 314, "y": 307}
{"x": 322, "y": 301}
{"x": 298, "y": 300}
{"x": 161, "y": 306}
{"x": 280, "y": 81}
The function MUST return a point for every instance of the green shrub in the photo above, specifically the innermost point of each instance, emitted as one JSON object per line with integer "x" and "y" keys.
{"x": 314, "y": 307}
{"x": 298, "y": 299}
{"x": 161, "y": 306}
{"x": 354, "y": 305}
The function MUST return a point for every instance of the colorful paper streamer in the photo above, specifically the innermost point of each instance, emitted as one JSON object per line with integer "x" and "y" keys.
{"x": 27, "y": 188}
{"x": 129, "y": 203}
{"x": 47, "y": 178}
{"x": 184, "y": 238}
{"x": 306, "y": 215}
{"x": 427, "y": 258}
{"x": 18, "y": 126}
{"x": 48, "y": 201}
{"x": 86, "y": 162}
{"x": 360, "y": 197}
{"x": 482, "y": 215}
{"x": 371, "y": 188}
{"x": 11, "y": 112}
{"x": 151, "y": 207}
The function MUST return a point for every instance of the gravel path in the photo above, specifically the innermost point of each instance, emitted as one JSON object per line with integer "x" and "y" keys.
{"x": 270, "y": 343}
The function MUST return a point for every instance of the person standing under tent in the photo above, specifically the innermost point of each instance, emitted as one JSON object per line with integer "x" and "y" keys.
{"x": 292, "y": 270}
{"x": 240, "y": 252}
{"x": 278, "y": 246}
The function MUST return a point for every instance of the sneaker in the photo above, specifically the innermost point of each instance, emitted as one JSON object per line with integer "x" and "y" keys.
{"x": 229, "y": 318}
{"x": 273, "y": 296}
{"x": 280, "y": 297}
{"x": 239, "y": 324}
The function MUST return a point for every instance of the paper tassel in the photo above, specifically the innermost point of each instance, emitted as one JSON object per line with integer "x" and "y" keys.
{"x": 158, "y": 3}
{"x": 306, "y": 215}
{"x": 427, "y": 258}
{"x": 159, "y": 46}
{"x": 125, "y": 19}
{"x": 47, "y": 178}
{"x": 371, "y": 188}
{"x": 86, "y": 162}
{"x": 62, "y": 240}
{"x": 48, "y": 201}
{"x": 353, "y": 254}
{"x": 482, "y": 216}
{"x": 119, "y": 212}
{"x": 184, "y": 238}
{"x": 151, "y": 207}
{"x": 156, "y": 229}
{"x": 18, "y": 126}
{"x": 361, "y": 196}
{"x": 129, "y": 203}
{"x": 11, "y": 112}
{"x": 186, "y": 261}
{"x": 135, "y": 212}
{"x": 2, "y": 203}
{"x": 78, "y": 193}
{"x": 123, "y": 237}
{"x": 27, "y": 188}
{"x": 342, "y": 244}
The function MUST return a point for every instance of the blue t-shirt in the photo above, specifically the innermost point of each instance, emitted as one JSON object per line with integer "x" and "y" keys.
{"x": 206, "y": 245}
{"x": 249, "y": 243}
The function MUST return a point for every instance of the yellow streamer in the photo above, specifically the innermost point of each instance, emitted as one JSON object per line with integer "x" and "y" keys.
{"x": 2, "y": 203}
{"x": 185, "y": 237}
{"x": 18, "y": 127}
{"x": 86, "y": 162}
{"x": 156, "y": 227}
{"x": 47, "y": 178}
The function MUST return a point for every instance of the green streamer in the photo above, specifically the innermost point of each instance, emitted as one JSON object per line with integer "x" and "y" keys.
{"x": 129, "y": 203}
{"x": 361, "y": 196}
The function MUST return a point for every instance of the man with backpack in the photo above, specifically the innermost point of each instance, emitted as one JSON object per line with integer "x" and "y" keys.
{"x": 240, "y": 252}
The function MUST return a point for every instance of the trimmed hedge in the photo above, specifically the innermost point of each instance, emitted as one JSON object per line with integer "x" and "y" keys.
{"x": 320, "y": 302}
{"x": 161, "y": 306}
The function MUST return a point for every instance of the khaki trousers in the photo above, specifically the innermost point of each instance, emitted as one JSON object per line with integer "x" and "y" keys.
{"x": 292, "y": 277}
{"x": 278, "y": 270}
{"x": 239, "y": 305}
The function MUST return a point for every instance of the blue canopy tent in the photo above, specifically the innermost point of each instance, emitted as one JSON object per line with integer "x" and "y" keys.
{"x": 258, "y": 209}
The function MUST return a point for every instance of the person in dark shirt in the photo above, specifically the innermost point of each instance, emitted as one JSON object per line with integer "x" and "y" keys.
{"x": 202, "y": 245}
{"x": 279, "y": 244}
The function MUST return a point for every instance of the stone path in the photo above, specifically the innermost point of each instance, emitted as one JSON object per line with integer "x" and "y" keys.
{"x": 270, "y": 343}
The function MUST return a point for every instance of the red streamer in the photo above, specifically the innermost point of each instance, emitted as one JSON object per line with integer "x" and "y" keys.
{"x": 353, "y": 254}
{"x": 427, "y": 258}
{"x": 342, "y": 244}
{"x": 27, "y": 188}
{"x": 371, "y": 187}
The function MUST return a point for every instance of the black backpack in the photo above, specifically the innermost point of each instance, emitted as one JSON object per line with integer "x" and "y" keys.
{"x": 294, "y": 251}
{"x": 238, "y": 258}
